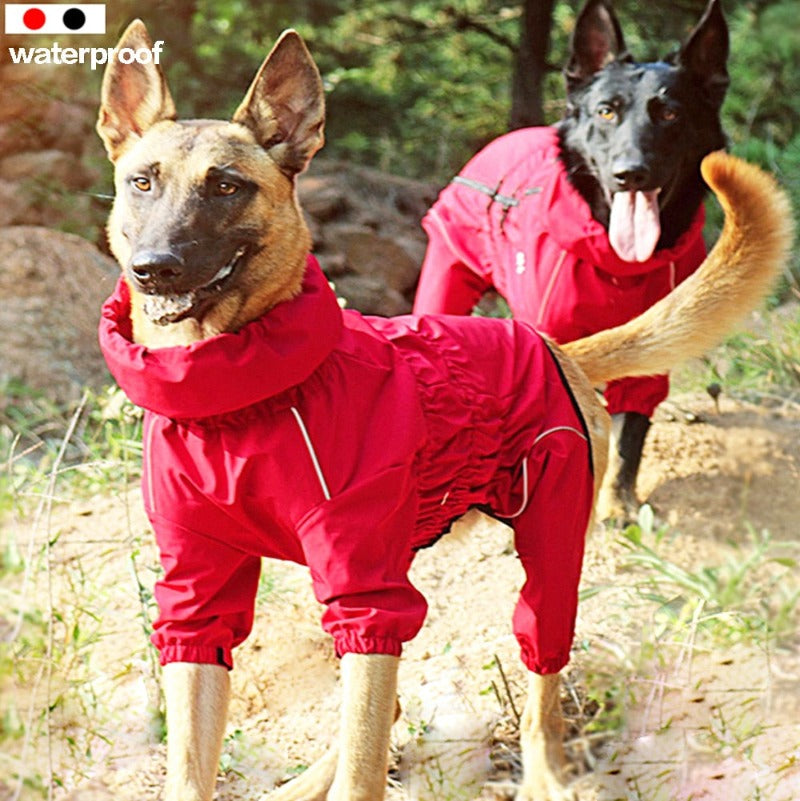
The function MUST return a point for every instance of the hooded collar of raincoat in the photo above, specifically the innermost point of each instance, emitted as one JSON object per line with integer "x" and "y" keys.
{"x": 568, "y": 219}
{"x": 227, "y": 372}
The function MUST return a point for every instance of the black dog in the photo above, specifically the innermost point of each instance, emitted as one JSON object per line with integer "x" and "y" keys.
{"x": 630, "y": 143}
{"x": 639, "y": 127}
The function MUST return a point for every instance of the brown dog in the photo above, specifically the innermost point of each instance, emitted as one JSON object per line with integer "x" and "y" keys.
{"x": 208, "y": 233}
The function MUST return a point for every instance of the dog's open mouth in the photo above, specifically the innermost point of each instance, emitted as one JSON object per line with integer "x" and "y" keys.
{"x": 634, "y": 227}
{"x": 166, "y": 309}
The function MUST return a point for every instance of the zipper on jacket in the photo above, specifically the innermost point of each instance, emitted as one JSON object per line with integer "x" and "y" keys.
{"x": 311, "y": 452}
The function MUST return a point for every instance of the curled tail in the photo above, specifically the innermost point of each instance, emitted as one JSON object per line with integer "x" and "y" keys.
{"x": 739, "y": 271}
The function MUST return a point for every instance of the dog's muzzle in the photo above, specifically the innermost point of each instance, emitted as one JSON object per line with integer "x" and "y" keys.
{"x": 157, "y": 274}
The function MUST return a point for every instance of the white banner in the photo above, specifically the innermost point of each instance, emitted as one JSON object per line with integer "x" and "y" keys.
{"x": 52, "y": 18}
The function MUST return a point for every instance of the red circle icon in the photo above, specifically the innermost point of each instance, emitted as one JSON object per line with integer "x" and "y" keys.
{"x": 33, "y": 19}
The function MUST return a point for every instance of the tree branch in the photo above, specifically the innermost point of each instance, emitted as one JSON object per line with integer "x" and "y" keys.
{"x": 458, "y": 21}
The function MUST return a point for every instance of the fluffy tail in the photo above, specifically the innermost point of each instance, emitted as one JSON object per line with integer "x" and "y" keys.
{"x": 751, "y": 251}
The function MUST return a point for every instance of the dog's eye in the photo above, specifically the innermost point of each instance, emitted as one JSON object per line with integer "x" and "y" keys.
{"x": 668, "y": 114}
{"x": 607, "y": 113}
{"x": 226, "y": 188}
{"x": 142, "y": 183}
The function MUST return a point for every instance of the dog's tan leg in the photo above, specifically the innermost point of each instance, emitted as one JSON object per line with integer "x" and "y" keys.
{"x": 312, "y": 784}
{"x": 197, "y": 709}
{"x": 369, "y": 707}
{"x": 369, "y": 702}
{"x": 541, "y": 740}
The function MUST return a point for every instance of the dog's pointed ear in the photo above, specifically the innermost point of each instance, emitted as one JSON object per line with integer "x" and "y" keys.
{"x": 134, "y": 96}
{"x": 596, "y": 41}
{"x": 705, "y": 52}
{"x": 285, "y": 105}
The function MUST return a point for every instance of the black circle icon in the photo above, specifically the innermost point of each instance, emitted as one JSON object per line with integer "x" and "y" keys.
{"x": 74, "y": 19}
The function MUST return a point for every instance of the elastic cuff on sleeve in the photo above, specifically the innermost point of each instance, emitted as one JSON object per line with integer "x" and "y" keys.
{"x": 196, "y": 654}
{"x": 543, "y": 667}
{"x": 350, "y": 643}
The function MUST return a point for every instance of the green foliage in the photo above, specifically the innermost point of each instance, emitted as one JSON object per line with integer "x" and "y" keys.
{"x": 54, "y": 453}
{"x": 405, "y": 90}
{"x": 765, "y": 68}
{"x": 750, "y": 597}
{"x": 416, "y": 87}
{"x": 760, "y": 366}
{"x": 105, "y": 448}
{"x": 666, "y": 610}
{"x": 762, "y": 111}
{"x": 751, "y": 362}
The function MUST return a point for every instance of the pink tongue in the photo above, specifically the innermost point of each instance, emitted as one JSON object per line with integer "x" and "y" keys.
{"x": 634, "y": 227}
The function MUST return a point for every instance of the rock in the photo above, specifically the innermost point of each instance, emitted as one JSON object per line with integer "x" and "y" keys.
{"x": 414, "y": 245}
{"x": 315, "y": 229}
{"x": 371, "y": 295}
{"x": 16, "y": 136}
{"x": 69, "y": 127}
{"x": 51, "y": 288}
{"x": 366, "y": 231}
{"x": 46, "y": 144}
{"x": 370, "y": 254}
{"x": 332, "y": 264}
{"x": 14, "y": 106}
{"x": 321, "y": 198}
{"x": 47, "y": 165}
{"x": 15, "y": 203}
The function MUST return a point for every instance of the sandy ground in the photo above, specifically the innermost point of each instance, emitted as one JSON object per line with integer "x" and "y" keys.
{"x": 698, "y": 722}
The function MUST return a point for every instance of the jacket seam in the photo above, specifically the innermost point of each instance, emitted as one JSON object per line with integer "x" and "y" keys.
{"x": 155, "y": 517}
{"x": 525, "y": 493}
{"x": 148, "y": 454}
{"x": 550, "y": 286}
{"x": 440, "y": 225}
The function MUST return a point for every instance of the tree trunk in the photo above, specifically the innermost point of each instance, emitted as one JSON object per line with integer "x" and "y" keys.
{"x": 530, "y": 68}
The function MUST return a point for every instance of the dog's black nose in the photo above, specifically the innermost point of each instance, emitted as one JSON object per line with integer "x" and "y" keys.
{"x": 630, "y": 176}
{"x": 156, "y": 270}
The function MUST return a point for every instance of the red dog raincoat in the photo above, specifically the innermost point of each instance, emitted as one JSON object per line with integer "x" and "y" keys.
{"x": 347, "y": 443}
{"x": 511, "y": 220}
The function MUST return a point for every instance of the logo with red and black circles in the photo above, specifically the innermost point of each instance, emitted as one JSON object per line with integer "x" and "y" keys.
{"x": 51, "y": 18}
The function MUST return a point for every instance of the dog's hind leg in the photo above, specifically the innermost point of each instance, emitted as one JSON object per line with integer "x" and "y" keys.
{"x": 618, "y": 499}
{"x": 541, "y": 742}
{"x": 549, "y": 538}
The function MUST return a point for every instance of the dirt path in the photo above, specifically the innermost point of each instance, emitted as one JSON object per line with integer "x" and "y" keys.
{"x": 699, "y": 723}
